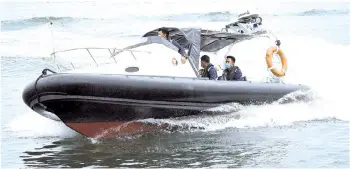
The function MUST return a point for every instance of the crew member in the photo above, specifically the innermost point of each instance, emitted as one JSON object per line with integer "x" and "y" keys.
{"x": 209, "y": 69}
{"x": 163, "y": 32}
{"x": 232, "y": 72}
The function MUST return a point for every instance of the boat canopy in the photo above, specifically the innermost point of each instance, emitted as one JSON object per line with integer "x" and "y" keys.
{"x": 194, "y": 40}
{"x": 210, "y": 40}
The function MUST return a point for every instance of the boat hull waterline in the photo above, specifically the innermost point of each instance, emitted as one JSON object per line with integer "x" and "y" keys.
{"x": 105, "y": 104}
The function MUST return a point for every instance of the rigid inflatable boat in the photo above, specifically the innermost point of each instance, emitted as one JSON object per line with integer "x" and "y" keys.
{"x": 110, "y": 99}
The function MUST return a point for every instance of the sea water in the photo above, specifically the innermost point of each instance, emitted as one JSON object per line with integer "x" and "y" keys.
{"x": 311, "y": 133}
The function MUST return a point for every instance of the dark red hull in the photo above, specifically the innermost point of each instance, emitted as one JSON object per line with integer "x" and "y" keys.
{"x": 113, "y": 129}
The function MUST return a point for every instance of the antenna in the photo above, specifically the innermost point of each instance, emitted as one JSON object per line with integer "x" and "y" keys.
{"x": 52, "y": 39}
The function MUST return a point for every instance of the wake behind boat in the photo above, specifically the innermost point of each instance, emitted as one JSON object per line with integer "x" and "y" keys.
{"x": 110, "y": 99}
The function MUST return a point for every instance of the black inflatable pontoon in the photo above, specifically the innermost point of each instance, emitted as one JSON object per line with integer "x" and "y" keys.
{"x": 79, "y": 99}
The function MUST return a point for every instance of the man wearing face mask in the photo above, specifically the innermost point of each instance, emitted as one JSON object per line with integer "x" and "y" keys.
{"x": 232, "y": 72}
{"x": 209, "y": 70}
{"x": 165, "y": 34}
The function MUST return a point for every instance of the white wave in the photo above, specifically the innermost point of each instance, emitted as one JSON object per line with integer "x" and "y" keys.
{"x": 272, "y": 115}
{"x": 31, "y": 124}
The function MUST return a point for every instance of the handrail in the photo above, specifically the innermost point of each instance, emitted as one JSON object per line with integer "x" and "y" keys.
{"x": 92, "y": 58}
{"x": 112, "y": 54}
{"x": 97, "y": 48}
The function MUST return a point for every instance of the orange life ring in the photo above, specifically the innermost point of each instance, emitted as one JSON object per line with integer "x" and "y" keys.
{"x": 275, "y": 71}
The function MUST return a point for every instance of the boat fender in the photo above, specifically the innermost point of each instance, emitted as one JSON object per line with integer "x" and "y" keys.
{"x": 174, "y": 61}
{"x": 269, "y": 54}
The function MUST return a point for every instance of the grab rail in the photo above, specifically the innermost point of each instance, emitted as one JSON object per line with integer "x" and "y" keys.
{"x": 88, "y": 50}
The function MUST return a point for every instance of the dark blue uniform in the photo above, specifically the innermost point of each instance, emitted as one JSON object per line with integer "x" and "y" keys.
{"x": 210, "y": 72}
{"x": 181, "y": 50}
{"x": 234, "y": 74}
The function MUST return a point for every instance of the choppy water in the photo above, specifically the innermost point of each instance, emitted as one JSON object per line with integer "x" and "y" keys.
{"x": 315, "y": 37}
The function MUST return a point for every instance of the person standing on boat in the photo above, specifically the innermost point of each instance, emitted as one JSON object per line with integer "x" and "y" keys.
{"x": 209, "y": 70}
{"x": 165, "y": 34}
{"x": 232, "y": 72}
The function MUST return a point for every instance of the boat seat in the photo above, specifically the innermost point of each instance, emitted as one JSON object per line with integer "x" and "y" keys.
{"x": 241, "y": 79}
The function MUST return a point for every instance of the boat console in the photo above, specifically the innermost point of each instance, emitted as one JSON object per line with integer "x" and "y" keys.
{"x": 247, "y": 23}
